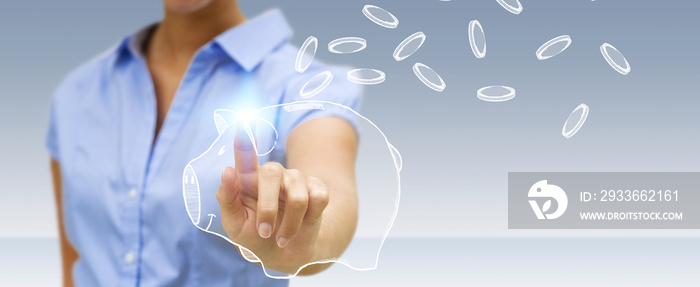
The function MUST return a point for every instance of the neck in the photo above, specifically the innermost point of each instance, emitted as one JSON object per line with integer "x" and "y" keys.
{"x": 180, "y": 35}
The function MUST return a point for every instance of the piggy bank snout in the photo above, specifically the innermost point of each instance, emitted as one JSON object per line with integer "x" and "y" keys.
{"x": 190, "y": 187}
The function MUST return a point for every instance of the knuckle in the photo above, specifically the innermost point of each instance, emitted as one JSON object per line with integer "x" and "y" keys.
{"x": 319, "y": 196}
{"x": 292, "y": 180}
{"x": 295, "y": 173}
{"x": 318, "y": 192}
{"x": 267, "y": 210}
{"x": 271, "y": 169}
{"x": 297, "y": 201}
{"x": 219, "y": 195}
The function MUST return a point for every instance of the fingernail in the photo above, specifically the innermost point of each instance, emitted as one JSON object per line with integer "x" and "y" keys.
{"x": 265, "y": 230}
{"x": 282, "y": 242}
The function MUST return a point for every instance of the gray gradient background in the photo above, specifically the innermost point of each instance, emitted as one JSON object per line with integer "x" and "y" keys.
{"x": 457, "y": 149}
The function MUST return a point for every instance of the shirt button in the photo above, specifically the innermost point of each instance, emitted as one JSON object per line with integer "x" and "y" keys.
{"x": 129, "y": 258}
{"x": 132, "y": 193}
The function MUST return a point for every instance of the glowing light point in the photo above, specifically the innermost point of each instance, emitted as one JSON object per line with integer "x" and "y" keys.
{"x": 247, "y": 115}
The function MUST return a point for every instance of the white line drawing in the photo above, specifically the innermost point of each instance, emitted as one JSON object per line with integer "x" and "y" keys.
{"x": 347, "y": 40}
{"x": 579, "y": 122}
{"x": 220, "y": 123}
{"x": 615, "y": 59}
{"x": 356, "y": 76}
{"x": 301, "y": 64}
{"x": 515, "y": 8}
{"x": 495, "y": 93}
{"x": 549, "y": 44}
{"x": 222, "y": 150}
{"x": 476, "y": 34}
{"x": 327, "y": 77}
{"x": 277, "y": 135}
{"x": 422, "y": 72}
{"x": 249, "y": 132}
{"x": 398, "y": 162}
{"x": 191, "y": 192}
{"x": 398, "y": 52}
{"x": 371, "y": 12}
{"x": 211, "y": 218}
{"x": 307, "y": 106}
{"x": 247, "y": 116}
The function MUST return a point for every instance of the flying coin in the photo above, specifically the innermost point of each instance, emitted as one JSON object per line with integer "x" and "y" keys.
{"x": 495, "y": 93}
{"x": 429, "y": 77}
{"x": 553, "y": 47}
{"x": 380, "y": 16}
{"x": 366, "y": 76}
{"x": 409, "y": 46}
{"x": 304, "y": 59}
{"x": 615, "y": 59}
{"x": 513, "y": 6}
{"x": 477, "y": 39}
{"x": 316, "y": 84}
{"x": 347, "y": 45}
{"x": 579, "y": 115}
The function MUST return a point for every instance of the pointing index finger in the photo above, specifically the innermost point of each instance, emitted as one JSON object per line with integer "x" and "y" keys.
{"x": 245, "y": 148}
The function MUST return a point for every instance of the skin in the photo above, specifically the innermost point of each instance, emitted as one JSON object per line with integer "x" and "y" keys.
{"x": 288, "y": 216}
{"x": 186, "y": 26}
{"x": 68, "y": 253}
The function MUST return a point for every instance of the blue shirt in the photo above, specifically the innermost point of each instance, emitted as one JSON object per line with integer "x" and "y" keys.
{"x": 123, "y": 205}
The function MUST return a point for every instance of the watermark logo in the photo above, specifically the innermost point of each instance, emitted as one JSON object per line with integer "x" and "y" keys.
{"x": 543, "y": 190}
{"x": 603, "y": 200}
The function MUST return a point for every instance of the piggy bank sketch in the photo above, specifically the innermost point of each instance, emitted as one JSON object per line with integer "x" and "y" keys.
{"x": 201, "y": 176}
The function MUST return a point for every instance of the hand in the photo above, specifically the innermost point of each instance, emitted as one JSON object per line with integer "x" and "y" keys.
{"x": 274, "y": 212}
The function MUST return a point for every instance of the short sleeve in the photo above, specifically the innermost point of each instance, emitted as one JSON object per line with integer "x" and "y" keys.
{"x": 339, "y": 91}
{"x": 52, "y": 133}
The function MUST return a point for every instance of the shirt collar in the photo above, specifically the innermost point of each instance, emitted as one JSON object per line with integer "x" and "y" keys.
{"x": 248, "y": 43}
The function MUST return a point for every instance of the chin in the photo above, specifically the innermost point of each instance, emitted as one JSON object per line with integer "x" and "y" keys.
{"x": 185, "y": 6}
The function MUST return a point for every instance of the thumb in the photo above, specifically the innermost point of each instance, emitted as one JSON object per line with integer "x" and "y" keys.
{"x": 228, "y": 195}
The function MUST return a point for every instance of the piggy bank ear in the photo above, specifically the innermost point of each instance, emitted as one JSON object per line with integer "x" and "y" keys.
{"x": 222, "y": 119}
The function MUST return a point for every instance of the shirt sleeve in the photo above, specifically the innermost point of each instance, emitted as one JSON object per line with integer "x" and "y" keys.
{"x": 52, "y": 133}
{"x": 339, "y": 91}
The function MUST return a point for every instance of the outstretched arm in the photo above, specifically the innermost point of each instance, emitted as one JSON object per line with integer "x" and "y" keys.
{"x": 326, "y": 148}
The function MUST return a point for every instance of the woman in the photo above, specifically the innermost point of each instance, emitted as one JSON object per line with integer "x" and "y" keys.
{"x": 124, "y": 125}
